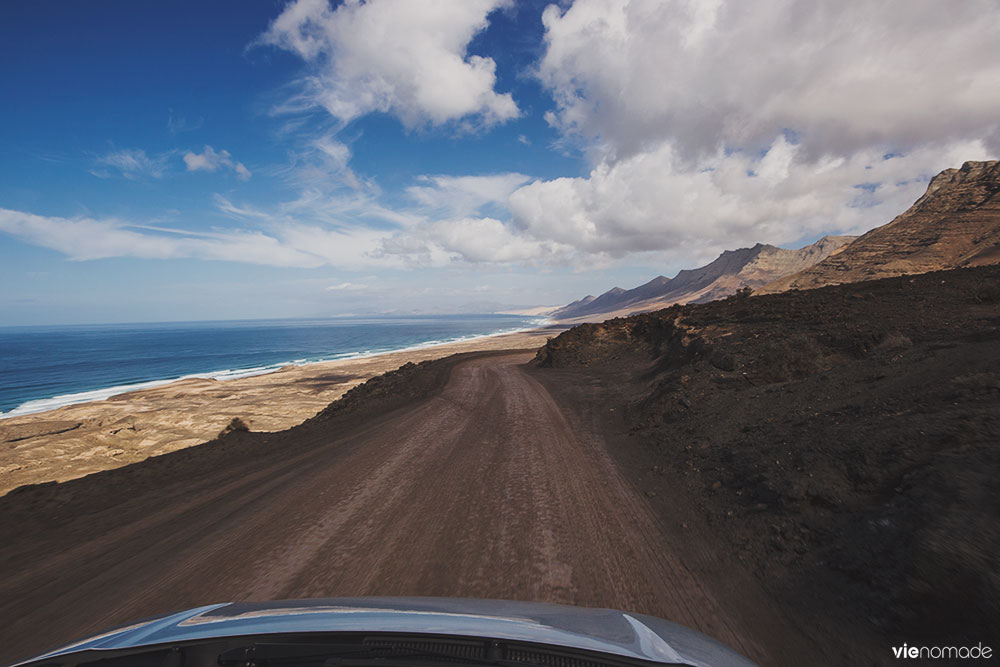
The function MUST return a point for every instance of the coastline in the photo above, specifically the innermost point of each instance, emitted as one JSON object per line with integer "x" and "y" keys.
{"x": 106, "y": 391}
{"x": 81, "y": 438}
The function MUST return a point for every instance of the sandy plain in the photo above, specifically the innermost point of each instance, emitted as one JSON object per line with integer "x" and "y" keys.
{"x": 76, "y": 440}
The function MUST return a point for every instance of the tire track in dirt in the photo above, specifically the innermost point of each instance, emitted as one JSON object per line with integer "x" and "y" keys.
{"x": 483, "y": 490}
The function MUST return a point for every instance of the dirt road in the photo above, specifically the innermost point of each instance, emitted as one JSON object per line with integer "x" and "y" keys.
{"x": 486, "y": 489}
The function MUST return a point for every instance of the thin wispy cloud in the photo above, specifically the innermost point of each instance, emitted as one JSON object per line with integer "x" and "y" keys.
{"x": 237, "y": 211}
{"x": 347, "y": 287}
{"x": 320, "y": 161}
{"x": 181, "y": 125}
{"x": 211, "y": 160}
{"x": 53, "y": 157}
{"x": 456, "y": 196}
{"x": 290, "y": 244}
{"x": 131, "y": 163}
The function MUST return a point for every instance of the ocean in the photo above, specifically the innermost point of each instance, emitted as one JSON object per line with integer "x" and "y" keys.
{"x": 45, "y": 367}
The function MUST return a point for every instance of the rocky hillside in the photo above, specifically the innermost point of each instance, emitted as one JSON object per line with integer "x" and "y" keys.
{"x": 955, "y": 223}
{"x": 731, "y": 271}
{"x": 843, "y": 440}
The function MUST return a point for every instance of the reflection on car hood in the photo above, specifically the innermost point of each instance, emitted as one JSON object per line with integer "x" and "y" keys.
{"x": 602, "y": 630}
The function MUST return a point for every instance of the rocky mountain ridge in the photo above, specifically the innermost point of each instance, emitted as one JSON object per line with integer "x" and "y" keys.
{"x": 731, "y": 271}
{"x": 955, "y": 224}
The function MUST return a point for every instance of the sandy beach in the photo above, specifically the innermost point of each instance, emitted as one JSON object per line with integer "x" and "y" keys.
{"x": 76, "y": 440}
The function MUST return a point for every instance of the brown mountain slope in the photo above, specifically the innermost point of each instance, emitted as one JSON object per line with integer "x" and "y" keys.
{"x": 955, "y": 224}
{"x": 731, "y": 271}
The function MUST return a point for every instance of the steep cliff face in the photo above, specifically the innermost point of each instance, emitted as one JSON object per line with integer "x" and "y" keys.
{"x": 731, "y": 271}
{"x": 956, "y": 223}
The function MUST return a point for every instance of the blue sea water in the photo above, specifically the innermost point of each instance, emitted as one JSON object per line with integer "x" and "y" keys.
{"x": 42, "y": 368}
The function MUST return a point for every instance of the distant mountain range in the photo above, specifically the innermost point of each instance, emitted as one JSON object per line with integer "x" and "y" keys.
{"x": 734, "y": 269}
{"x": 955, "y": 224}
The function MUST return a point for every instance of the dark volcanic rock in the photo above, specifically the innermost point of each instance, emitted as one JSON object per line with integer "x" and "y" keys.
{"x": 845, "y": 441}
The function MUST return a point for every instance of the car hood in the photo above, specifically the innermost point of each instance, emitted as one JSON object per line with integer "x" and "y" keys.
{"x": 602, "y": 630}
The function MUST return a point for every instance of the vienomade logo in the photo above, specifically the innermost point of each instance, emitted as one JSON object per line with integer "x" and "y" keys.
{"x": 943, "y": 652}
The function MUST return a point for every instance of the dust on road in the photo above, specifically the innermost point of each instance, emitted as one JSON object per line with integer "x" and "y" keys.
{"x": 485, "y": 489}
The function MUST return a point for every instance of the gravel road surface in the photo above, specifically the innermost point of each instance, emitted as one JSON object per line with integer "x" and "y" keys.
{"x": 485, "y": 489}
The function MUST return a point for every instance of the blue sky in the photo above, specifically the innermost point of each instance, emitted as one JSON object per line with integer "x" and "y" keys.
{"x": 174, "y": 161}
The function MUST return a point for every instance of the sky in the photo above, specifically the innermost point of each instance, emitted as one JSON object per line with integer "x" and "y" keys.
{"x": 262, "y": 159}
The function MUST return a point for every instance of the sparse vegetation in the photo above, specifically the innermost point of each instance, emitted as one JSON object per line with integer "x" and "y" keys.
{"x": 235, "y": 425}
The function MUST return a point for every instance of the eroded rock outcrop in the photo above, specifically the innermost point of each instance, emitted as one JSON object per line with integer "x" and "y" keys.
{"x": 955, "y": 224}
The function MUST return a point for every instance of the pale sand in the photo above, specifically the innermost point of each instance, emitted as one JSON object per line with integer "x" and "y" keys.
{"x": 77, "y": 440}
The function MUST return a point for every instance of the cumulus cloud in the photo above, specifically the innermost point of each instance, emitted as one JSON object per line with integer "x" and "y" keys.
{"x": 657, "y": 205}
{"x": 843, "y": 76}
{"x": 131, "y": 163}
{"x": 450, "y": 223}
{"x": 210, "y": 160}
{"x": 347, "y": 287}
{"x": 655, "y": 201}
{"x": 715, "y": 124}
{"x": 400, "y": 57}
{"x": 707, "y": 124}
{"x": 473, "y": 240}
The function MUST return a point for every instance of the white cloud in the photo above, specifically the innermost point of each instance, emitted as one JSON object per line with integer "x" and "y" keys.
{"x": 336, "y": 152}
{"x": 715, "y": 124}
{"x": 400, "y": 57}
{"x": 655, "y": 204}
{"x": 347, "y": 287}
{"x": 473, "y": 240}
{"x": 709, "y": 124}
{"x": 658, "y": 204}
{"x": 485, "y": 240}
{"x": 238, "y": 211}
{"x": 210, "y": 160}
{"x": 844, "y": 76}
{"x": 322, "y": 163}
{"x": 282, "y": 243}
{"x": 445, "y": 224}
{"x": 458, "y": 196}
{"x": 132, "y": 163}
{"x": 656, "y": 201}
{"x": 451, "y": 224}
{"x": 342, "y": 210}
